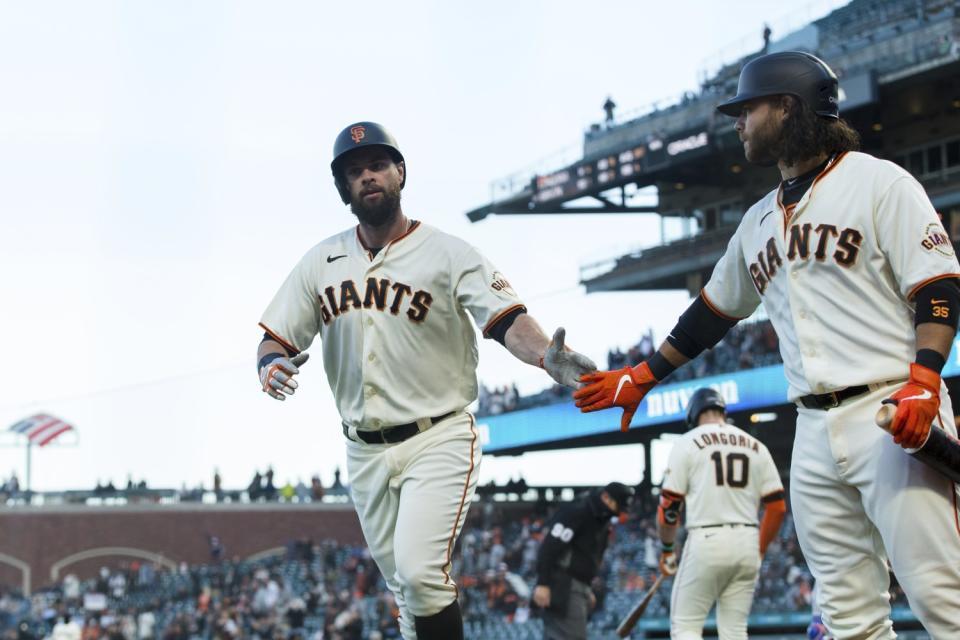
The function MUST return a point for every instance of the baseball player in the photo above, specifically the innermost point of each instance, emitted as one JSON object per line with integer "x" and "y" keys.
{"x": 860, "y": 282}
{"x": 391, "y": 300}
{"x": 720, "y": 475}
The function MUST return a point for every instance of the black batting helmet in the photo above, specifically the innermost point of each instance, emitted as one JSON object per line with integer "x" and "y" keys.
{"x": 703, "y": 399}
{"x": 361, "y": 134}
{"x": 788, "y": 72}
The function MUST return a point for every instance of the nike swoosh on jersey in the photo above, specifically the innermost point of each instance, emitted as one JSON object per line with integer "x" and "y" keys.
{"x": 765, "y": 217}
{"x": 332, "y": 258}
{"x": 624, "y": 379}
{"x": 923, "y": 396}
{"x": 938, "y": 301}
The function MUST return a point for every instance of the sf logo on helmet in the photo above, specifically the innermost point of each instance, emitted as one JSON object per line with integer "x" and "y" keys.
{"x": 358, "y": 133}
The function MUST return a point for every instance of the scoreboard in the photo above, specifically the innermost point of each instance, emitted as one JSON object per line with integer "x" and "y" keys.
{"x": 619, "y": 168}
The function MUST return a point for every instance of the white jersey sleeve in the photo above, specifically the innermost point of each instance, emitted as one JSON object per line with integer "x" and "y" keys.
{"x": 769, "y": 481}
{"x": 482, "y": 290}
{"x": 676, "y": 477}
{"x": 730, "y": 290}
{"x": 912, "y": 237}
{"x": 294, "y": 316}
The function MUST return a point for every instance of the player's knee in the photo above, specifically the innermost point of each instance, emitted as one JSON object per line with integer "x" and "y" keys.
{"x": 426, "y": 589}
{"x": 862, "y": 624}
{"x": 681, "y": 633}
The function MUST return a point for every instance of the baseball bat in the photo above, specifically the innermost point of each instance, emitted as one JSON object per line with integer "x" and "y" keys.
{"x": 630, "y": 620}
{"x": 941, "y": 451}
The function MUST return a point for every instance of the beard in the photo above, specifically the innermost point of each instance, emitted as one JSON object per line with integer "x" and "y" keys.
{"x": 379, "y": 213}
{"x": 766, "y": 145}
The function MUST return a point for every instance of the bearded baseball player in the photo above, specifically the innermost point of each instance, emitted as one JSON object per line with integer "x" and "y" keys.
{"x": 719, "y": 475}
{"x": 859, "y": 279}
{"x": 391, "y": 300}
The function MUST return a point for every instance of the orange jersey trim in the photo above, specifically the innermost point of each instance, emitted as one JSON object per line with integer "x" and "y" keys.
{"x": 414, "y": 225}
{"x": 499, "y": 317}
{"x": 463, "y": 500}
{"x": 713, "y": 307}
{"x": 944, "y": 276}
{"x": 276, "y": 336}
{"x": 788, "y": 210}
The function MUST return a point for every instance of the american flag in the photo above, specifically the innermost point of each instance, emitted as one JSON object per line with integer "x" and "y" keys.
{"x": 41, "y": 429}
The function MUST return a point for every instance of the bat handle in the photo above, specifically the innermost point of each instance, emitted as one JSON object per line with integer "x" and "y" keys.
{"x": 885, "y": 416}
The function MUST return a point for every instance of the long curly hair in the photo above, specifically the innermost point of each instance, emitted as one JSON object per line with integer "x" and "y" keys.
{"x": 806, "y": 135}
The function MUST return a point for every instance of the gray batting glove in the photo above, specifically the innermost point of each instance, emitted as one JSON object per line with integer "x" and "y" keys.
{"x": 564, "y": 365}
{"x": 276, "y": 378}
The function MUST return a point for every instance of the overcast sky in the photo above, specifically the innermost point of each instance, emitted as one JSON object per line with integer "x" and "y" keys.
{"x": 163, "y": 165}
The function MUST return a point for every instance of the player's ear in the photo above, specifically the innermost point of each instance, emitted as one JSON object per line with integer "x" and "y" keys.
{"x": 785, "y": 104}
{"x": 402, "y": 170}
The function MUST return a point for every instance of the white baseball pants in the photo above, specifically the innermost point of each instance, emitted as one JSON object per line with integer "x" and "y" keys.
{"x": 412, "y": 498}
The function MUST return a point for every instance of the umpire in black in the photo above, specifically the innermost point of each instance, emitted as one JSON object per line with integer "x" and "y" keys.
{"x": 570, "y": 557}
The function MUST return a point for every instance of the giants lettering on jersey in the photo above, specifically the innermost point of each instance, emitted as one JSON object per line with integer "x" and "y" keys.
{"x": 717, "y": 438}
{"x": 380, "y": 294}
{"x": 804, "y": 239}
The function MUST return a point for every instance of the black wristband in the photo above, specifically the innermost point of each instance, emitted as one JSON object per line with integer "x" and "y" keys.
{"x": 666, "y": 546}
{"x": 931, "y": 359}
{"x": 660, "y": 367}
{"x": 267, "y": 359}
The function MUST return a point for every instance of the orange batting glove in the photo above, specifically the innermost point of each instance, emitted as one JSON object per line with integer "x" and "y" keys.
{"x": 624, "y": 388}
{"x": 918, "y": 403}
{"x": 668, "y": 561}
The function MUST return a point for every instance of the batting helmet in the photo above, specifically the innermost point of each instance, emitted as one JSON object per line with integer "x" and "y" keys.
{"x": 789, "y": 72}
{"x": 703, "y": 399}
{"x": 361, "y": 134}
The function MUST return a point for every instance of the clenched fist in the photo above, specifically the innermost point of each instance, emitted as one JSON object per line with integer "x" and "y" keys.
{"x": 668, "y": 563}
{"x": 918, "y": 403}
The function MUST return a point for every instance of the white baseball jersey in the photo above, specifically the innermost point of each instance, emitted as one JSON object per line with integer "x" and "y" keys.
{"x": 381, "y": 318}
{"x": 836, "y": 273}
{"x": 723, "y": 474}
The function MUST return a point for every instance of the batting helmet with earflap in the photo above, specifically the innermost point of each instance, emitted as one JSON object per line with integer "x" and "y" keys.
{"x": 794, "y": 73}
{"x": 355, "y": 136}
{"x": 703, "y": 399}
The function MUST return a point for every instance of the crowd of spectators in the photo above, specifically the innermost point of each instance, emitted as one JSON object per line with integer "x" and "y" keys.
{"x": 331, "y": 591}
{"x": 748, "y": 345}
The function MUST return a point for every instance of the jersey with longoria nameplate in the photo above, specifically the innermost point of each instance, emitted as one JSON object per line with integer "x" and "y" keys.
{"x": 397, "y": 342}
{"x": 836, "y": 273}
{"x": 723, "y": 474}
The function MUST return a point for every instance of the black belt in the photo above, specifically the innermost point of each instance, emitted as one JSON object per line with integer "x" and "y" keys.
{"x": 398, "y": 433}
{"x": 833, "y": 399}
{"x": 726, "y": 524}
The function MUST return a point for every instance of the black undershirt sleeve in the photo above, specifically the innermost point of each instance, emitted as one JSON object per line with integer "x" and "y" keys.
{"x": 938, "y": 301}
{"x": 699, "y": 328}
{"x": 499, "y": 331}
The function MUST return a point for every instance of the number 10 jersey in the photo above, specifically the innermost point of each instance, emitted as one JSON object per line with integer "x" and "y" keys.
{"x": 723, "y": 474}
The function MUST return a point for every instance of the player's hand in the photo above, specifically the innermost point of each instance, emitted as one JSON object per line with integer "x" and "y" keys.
{"x": 541, "y": 596}
{"x": 624, "y": 388}
{"x": 668, "y": 563}
{"x": 563, "y": 364}
{"x": 918, "y": 403}
{"x": 276, "y": 377}
{"x": 816, "y": 630}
